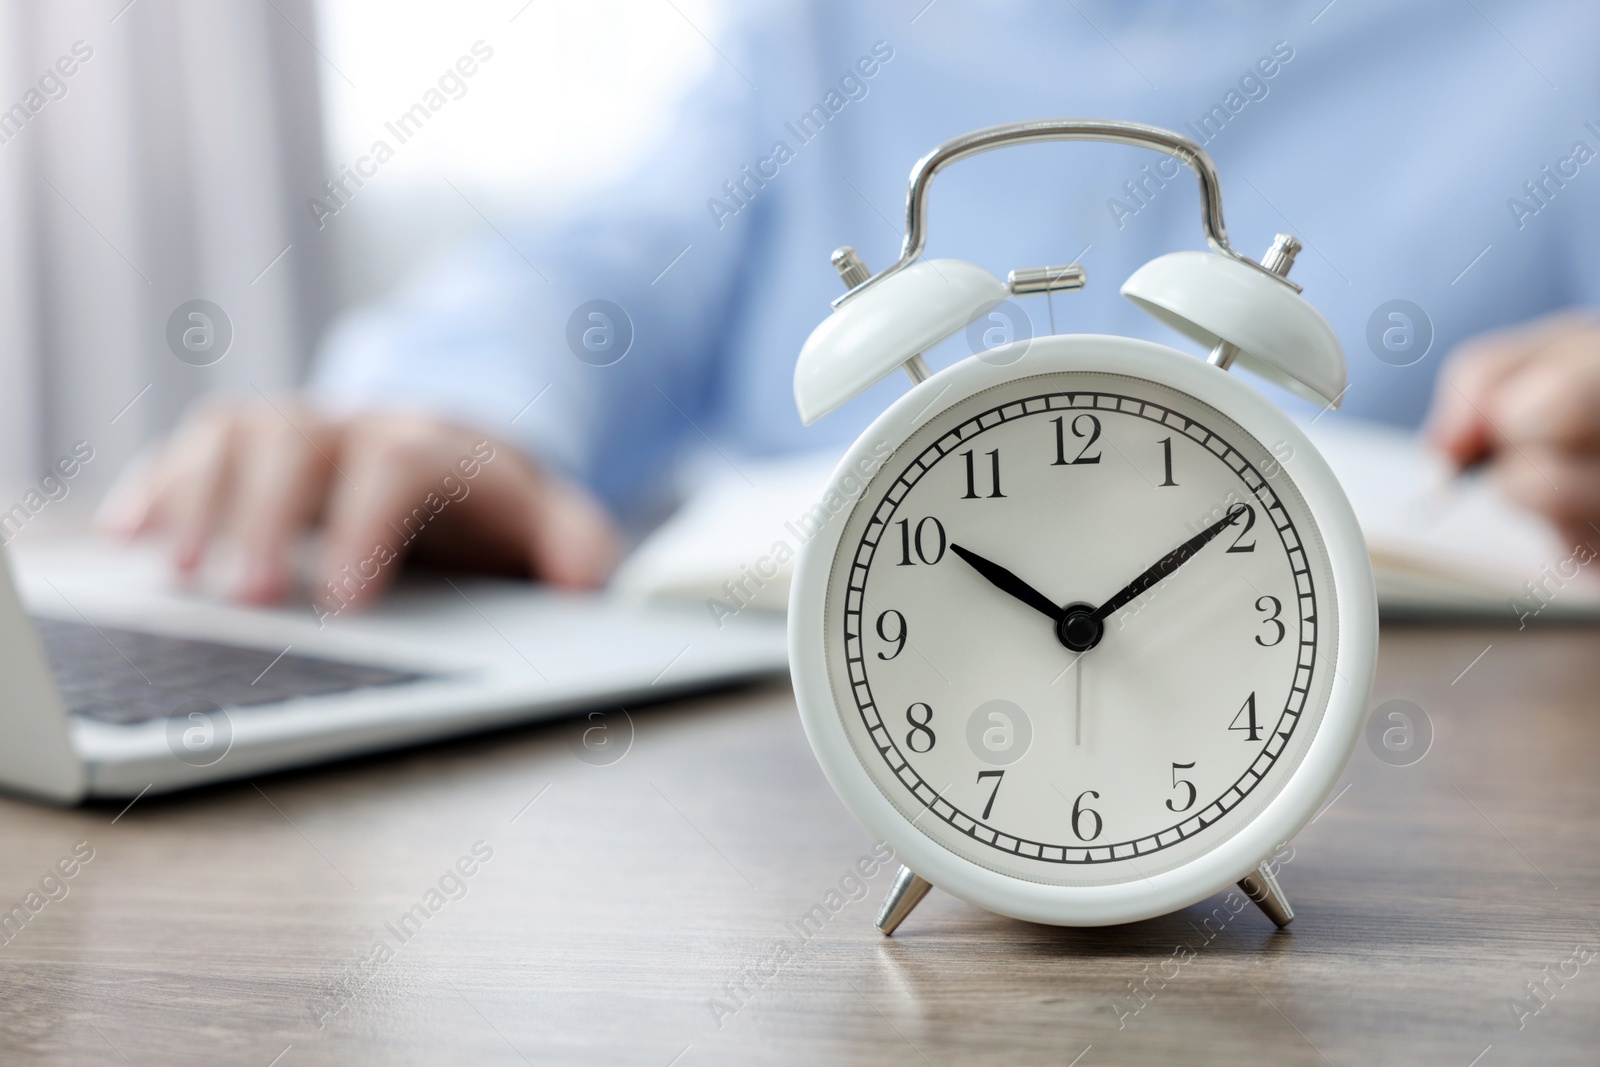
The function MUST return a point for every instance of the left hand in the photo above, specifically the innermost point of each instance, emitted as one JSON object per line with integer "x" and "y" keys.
{"x": 263, "y": 474}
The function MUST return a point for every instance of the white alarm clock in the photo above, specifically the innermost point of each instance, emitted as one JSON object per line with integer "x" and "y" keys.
{"x": 1090, "y": 628}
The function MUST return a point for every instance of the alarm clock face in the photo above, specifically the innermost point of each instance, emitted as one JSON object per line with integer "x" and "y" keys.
{"x": 1080, "y": 627}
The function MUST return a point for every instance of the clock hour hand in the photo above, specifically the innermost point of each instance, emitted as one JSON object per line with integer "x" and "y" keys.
{"x": 1168, "y": 563}
{"x": 1007, "y": 582}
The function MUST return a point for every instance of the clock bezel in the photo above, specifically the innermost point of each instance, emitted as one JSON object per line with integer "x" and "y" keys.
{"x": 1299, "y": 797}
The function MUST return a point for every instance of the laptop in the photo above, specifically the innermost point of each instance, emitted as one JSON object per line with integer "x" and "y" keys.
{"x": 118, "y": 685}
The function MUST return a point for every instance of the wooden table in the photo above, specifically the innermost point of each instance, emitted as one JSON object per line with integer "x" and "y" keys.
{"x": 619, "y": 909}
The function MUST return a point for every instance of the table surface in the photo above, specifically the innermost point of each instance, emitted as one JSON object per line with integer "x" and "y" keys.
{"x": 621, "y": 903}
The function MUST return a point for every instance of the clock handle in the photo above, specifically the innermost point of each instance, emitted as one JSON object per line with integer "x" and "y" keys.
{"x": 1017, "y": 133}
{"x": 907, "y": 892}
{"x": 1261, "y": 886}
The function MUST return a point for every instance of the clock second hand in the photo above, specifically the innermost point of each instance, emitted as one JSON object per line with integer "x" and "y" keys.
{"x": 1077, "y": 702}
{"x": 1077, "y": 626}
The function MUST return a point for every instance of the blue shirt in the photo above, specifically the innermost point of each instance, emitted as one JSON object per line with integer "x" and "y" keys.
{"x": 1437, "y": 153}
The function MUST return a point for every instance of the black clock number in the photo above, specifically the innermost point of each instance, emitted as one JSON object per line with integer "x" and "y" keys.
{"x": 1092, "y": 433}
{"x": 1248, "y": 712}
{"x": 997, "y": 776}
{"x": 921, "y": 540}
{"x": 898, "y": 638}
{"x": 1079, "y": 812}
{"x": 972, "y": 481}
{"x": 1166, "y": 452}
{"x": 1176, "y": 782}
{"x": 921, "y": 729}
{"x": 1249, "y": 521}
{"x": 1276, "y": 609}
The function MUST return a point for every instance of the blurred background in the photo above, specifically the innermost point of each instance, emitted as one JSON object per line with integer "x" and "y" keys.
{"x": 143, "y": 192}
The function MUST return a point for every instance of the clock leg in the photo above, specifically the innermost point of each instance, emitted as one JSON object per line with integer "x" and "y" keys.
{"x": 1261, "y": 886}
{"x": 906, "y": 893}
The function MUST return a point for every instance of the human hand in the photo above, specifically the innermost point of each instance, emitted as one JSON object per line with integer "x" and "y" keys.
{"x": 380, "y": 485}
{"x": 1527, "y": 402}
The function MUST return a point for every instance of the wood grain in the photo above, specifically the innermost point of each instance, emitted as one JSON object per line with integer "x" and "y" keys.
{"x": 239, "y": 924}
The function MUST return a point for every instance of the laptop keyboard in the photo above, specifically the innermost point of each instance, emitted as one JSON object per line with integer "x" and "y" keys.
{"x": 128, "y": 676}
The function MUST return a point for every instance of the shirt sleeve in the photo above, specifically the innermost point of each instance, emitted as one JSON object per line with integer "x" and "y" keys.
{"x": 590, "y": 341}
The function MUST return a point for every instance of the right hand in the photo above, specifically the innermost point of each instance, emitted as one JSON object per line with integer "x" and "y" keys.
{"x": 1526, "y": 401}
{"x": 263, "y": 474}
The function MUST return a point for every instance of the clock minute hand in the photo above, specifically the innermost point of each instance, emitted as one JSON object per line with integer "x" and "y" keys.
{"x": 1007, "y": 582}
{"x": 1168, "y": 563}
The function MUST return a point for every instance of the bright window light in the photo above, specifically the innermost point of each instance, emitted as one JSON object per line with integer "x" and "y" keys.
{"x": 571, "y": 89}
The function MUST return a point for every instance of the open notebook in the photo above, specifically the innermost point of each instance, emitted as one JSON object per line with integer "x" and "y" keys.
{"x": 1441, "y": 547}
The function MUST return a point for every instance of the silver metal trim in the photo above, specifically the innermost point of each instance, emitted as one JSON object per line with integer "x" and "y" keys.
{"x": 1261, "y": 886}
{"x": 1046, "y": 279}
{"x": 1280, "y": 257}
{"x": 906, "y": 893}
{"x": 852, "y": 271}
{"x": 1278, "y": 260}
{"x": 1104, "y": 130}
